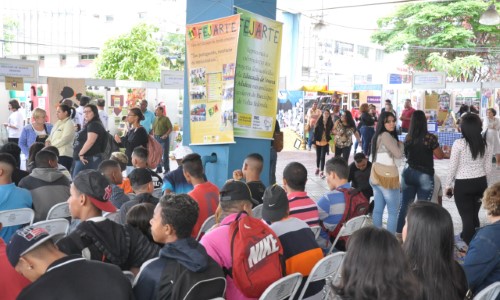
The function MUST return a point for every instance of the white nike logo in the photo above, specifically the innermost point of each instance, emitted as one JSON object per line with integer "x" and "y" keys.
{"x": 271, "y": 205}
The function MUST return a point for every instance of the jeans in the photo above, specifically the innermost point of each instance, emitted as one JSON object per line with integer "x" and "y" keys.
{"x": 343, "y": 152}
{"x": 366, "y": 138}
{"x": 383, "y": 197}
{"x": 320, "y": 156}
{"x": 413, "y": 183}
{"x": 468, "y": 194}
{"x": 310, "y": 140}
{"x": 165, "y": 144}
{"x": 272, "y": 167}
{"x": 92, "y": 164}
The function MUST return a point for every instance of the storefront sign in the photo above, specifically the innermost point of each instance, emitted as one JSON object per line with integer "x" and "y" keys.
{"x": 257, "y": 76}
{"x": 395, "y": 79}
{"x": 429, "y": 80}
{"x": 373, "y": 99}
{"x": 172, "y": 79}
{"x": 27, "y": 69}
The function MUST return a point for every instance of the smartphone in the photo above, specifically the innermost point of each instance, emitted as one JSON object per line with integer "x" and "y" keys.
{"x": 449, "y": 193}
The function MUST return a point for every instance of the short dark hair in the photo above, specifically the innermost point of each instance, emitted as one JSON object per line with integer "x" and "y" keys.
{"x": 14, "y": 104}
{"x": 139, "y": 216}
{"x": 141, "y": 153}
{"x": 33, "y": 151}
{"x": 84, "y": 100}
{"x": 257, "y": 157}
{"x": 192, "y": 165}
{"x": 14, "y": 150}
{"x": 358, "y": 157}
{"x": 296, "y": 176}
{"x": 8, "y": 159}
{"x": 43, "y": 157}
{"x": 52, "y": 149}
{"x": 181, "y": 212}
{"x": 107, "y": 164}
{"x": 137, "y": 111}
{"x": 339, "y": 166}
{"x": 388, "y": 101}
{"x": 101, "y": 102}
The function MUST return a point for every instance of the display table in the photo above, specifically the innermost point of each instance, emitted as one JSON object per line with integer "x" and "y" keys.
{"x": 444, "y": 138}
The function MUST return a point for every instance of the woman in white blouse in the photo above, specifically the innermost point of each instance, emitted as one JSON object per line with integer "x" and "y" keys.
{"x": 491, "y": 126}
{"x": 470, "y": 161}
{"x": 16, "y": 121}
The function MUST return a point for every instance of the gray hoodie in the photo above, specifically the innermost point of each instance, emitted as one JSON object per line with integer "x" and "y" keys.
{"x": 48, "y": 187}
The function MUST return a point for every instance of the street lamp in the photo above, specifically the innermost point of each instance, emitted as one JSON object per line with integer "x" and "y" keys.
{"x": 490, "y": 16}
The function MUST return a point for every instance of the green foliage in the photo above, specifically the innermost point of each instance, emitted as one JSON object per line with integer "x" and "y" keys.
{"x": 132, "y": 56}
{"x": 173, "y": 49}
{"x": 424, "y": 28}
{"x": 10, "y": 27}
{"x": 461, "y": 68}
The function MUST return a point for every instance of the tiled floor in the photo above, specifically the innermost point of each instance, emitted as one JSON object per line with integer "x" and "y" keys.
{"x": 316, "y": 187}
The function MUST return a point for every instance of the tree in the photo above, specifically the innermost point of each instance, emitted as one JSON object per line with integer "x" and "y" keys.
{"x": 173, "y": 49}
{"x": 10, "y": 27}
{"x": 450, "y": 29}
{"x": 132, "y": 56}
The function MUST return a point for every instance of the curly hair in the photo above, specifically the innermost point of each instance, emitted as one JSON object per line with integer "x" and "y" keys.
{"x": 491, "y": 200}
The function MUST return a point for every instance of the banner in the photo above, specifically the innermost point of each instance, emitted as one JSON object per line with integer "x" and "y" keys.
{"x": 211, "y": 61}
{"x": 257, "y": 76}
{"x": 60, "y": 89}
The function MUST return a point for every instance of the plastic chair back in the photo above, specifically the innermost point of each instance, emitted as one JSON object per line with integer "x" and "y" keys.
{"x": 18, "y": 216}
{"x": 209, "y": 222}
{"x": 58, "y": 211}
{"x": 490, "y": 292}
{"x": 54, "y": 226}
{"x": 284, "y": 288}
{"x": 257, "y": 211}
{"x": 349, "y": 228}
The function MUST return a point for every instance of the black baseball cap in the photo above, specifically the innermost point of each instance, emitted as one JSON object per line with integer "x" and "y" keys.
{"x": 275, "y": 204}
{"x": 96, "y": 187}
{"x": 234, "y": 190}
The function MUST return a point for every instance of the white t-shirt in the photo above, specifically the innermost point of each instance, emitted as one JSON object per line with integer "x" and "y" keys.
{"x": 15, "y": 119}
{"x": 104, "y": 118}
{"x": 79, "y": 116}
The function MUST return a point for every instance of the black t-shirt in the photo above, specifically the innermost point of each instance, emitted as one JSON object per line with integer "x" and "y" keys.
{"x": 134, "y": 138}
{"x": 99, "y": 145}
{"x": 157, "y": 180}
{"x": 420, "y": 154}
{"x": 257, "y": 189}
{"x": 360, "y": 179}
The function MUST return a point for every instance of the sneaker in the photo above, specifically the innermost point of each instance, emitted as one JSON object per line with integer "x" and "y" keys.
{"x": 317, "y": 172}
{"x": 322, "y": 175}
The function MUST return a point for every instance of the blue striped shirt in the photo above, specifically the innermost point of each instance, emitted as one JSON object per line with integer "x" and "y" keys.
{"x": 331, "y": 208}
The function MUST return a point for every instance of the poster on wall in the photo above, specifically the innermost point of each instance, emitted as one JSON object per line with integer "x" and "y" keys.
{"x": 257, "y": 76}
{"x": 14, "y": 83}
{"x": 60, "y": 89}
{"x": 211, "y": 61}
{"x": 373, "y": 99}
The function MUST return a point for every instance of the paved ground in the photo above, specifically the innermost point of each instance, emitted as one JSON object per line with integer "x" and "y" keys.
{"x": 316, "y": 187}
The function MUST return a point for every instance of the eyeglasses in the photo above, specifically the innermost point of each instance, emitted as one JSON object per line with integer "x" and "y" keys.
{"x": 87, "y": 111}
{"x": 131, "y": 115}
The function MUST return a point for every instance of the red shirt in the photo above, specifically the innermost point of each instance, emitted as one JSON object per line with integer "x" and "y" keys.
{"x": 304, "y": 208}
{"x": 11, "y": 282}
{"x": 207, "y": 196}
{"x": 407, "y": 114}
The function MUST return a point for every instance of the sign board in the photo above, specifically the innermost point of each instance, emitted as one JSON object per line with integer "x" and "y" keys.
{"x": 172, "y": 79}
{"x": 373, "y": 99}
{"x": 14, "y": 83}
{"x": 27, "y": 69}
{"x": 429, "y": 80}
{"x": 395, "y": 79}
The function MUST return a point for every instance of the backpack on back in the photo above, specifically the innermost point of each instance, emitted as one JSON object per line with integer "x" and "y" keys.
{"x": 356, "y": 205}
{"x": 155, "y": 152}
{"x": 257, "y": 255}
{"x": 110, "y": 146}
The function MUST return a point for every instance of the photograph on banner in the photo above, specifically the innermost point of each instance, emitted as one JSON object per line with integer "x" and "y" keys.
{"x": 257, "y": 76}
{"x": 211, "y": 48}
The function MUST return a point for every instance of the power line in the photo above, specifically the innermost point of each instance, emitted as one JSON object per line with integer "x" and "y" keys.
{"x": 378, "y": 3}
{"x": 49, "y": 45}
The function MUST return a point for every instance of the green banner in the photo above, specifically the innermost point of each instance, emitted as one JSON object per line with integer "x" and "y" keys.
{"x": 257, "y": 76}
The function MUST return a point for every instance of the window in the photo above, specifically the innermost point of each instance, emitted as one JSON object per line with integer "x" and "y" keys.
{"x": 379, "y": 55}
{"x": 344, "y": 48}
{"x": 24, "y": 57}
{"x": 364, "y": 51}
{"x": 88, "y": 56}
{"x": 63, "y": 56}
{"x": 109, "y": 18}
{"x": 41, "y": 57}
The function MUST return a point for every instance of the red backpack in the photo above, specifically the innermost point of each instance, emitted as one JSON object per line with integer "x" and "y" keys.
{"x": 356, "y": 205}
{"x": 155, "y": 152}
{"x": 257, "y": 255}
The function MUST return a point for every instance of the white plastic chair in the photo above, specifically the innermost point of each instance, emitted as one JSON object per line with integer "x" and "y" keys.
{"x": 490, "y": 292}
{"x": 349, "y": 228}
{"x": 209, "y": 222}
{"x": 257, "y": 211}
{"x": 316, "y": 230}
{"x": 284, "y": 288}
{"x": 326, "y": 267}
{"x": 54, "y": 226}
{"x": 18, "y": 216}
{"x": 58, "y": 211}
{"x": 113, "y": 216}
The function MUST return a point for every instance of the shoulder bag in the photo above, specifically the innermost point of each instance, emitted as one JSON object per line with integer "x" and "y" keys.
{"x": 385, "y": 171}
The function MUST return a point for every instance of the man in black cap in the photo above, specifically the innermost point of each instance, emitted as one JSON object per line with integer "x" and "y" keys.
{"x": 235, "y": 197}
{"x": 32, "y": 252}
{"x": 99, "y": 238}
{"x": 142, "y": 184}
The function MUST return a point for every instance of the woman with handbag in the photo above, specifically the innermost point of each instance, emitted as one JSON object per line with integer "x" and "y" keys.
{"x": 417, "y": 178}
{"x": 384, "y": 177}
{"x": 470, "y": 161}
{"x": 322, "y": 137}
{"x": 344, "y": 129}
{"x": 491, "y": 126}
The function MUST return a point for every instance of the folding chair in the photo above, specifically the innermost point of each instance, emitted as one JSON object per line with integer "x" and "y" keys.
{"x": 257, "y": 211}
{"x": 316, "y": 230}
{"x": 54, "y": 226}
{"x": 284, "y": 288}
{"x": 209, "y": 222}
{"x": 130, "y": 276}
{"x": 490, "y": 292}
{"x": 18, "y": 216}
{"x": 349, "y": 228}
{"x": 326, "y": 267}
{"x": 58, "y": 211}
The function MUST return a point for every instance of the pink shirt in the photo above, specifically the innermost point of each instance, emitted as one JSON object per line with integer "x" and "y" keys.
{"x": 304, "y": 208}
{"x": 218, "y": 245}
{"x": 11, "y": 282}
{"x": 407, "y": 114}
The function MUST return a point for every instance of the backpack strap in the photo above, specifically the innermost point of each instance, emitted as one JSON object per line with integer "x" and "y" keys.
{"x": 229, "y": 271}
